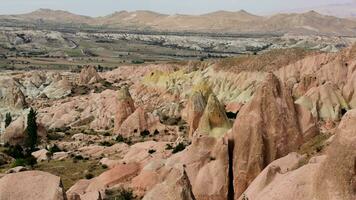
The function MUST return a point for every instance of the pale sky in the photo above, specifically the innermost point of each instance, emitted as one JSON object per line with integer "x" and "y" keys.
{"x": 105, "y": 7}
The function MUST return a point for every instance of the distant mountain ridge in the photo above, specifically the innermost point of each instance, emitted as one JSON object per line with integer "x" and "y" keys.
{"x": 347, "y": 10}
{"x": 220, "y": 21}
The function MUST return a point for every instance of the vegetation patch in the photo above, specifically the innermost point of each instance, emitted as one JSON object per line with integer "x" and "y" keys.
{"x": 70, "y": 171}
{"x": 119, "y": 194}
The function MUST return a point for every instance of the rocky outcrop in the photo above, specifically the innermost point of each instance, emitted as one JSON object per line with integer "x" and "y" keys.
{"x": 31, "y": 185}
{"x": 336, "y": 178}
{"x": 265, "y": 130}
{"x": 328, "y": 177}
{"x": 96, "y": 111}
{"x": 324, "y": 102}
{"x": 206, "y": 155}
{"x": 195, "y": 109}
{"x": 11, "y": 95}
{"x": 176, "y": 187}
{"x": 214, "y": 121}
{"x": 139, "y": 123}
{"x": 58, "y": 89}
{"x": 124, "y": 107}
{"x": 285, "y": 179}
{"x": 196, "y": 105}
{"x": 88, "y": 75}
{"x": 120, "y": 174}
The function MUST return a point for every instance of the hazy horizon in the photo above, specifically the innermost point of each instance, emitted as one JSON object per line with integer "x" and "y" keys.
{"x": 106, "y": 7}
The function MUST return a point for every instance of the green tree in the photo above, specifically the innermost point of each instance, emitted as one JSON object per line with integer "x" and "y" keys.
{"x": 31, "y": 130}
{"x": 8, "y": 119}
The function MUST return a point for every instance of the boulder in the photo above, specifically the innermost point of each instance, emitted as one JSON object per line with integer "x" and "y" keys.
{"x": 41, "y": 155}
{"x": 16, "y": 170}
{"x": 31, "y": 185}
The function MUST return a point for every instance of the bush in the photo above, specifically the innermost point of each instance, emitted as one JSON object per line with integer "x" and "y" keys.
{"x": 106, "y": 143}
{"x": 145, "y": 133}
{"x": 178, "y": 148}
{"x": 27, "y": 161}
{"x": 8, "y": 120}
{"x": 120, "y": 138}
{"x": 151, "y": 151}
{"x": 15, "y": 151}
{"x": 106, "y": 134}
{"x": 89, "y": 176}
{"x": 54, "y": 149}
{"x": 78, "y": 157}
{"x": 18, "y": 162}
{"x": 169, "y": 147}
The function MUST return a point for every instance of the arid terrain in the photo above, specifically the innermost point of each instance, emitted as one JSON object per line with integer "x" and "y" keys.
{"x": 259, "y": 113}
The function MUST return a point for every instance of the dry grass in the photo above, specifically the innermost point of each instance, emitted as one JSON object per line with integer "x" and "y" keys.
{"x": 70, "y": 171}
{"x": 315, "y": 145}
{"x": 268, "y": 61}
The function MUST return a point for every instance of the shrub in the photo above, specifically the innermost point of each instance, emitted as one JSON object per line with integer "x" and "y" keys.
{"x": 89, "y": 176}
{"x": 178, "y": 148}
{"x": 244, "y": 197}
{"x": 15, "y": 151}
{"x": 145, "y": 133}
{"x": 18, "y": 162}
{"x": 27, "y": 161}
{"x": 156, "y": 132}
{"x": 151, "y": 151}
{"x": 78, "y": 157}
{"x": 8, "y": 120}
{"x": 120, "y": 138}
{"x": 169, "y": 147}
{"x": 106, "y": 143}
{"x": 54, "y": 149}
{"x": 119, "y": 194}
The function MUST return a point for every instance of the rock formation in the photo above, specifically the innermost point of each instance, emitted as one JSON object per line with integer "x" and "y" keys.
{"x": 124, "y": 107}
{"x": 265, "y": 130}
{"x": 206, "y": 155}
{"x": 327, "y": 177}
{"x": 88, "y": 75}
{"x": 324, "y": 102}
{"x": 176, "y": 187}
{"x": 58, "y": 89}
{"x": 11, "y": 95}
{"x": 214, "y": 121}
{"x": 138, "y": 123}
